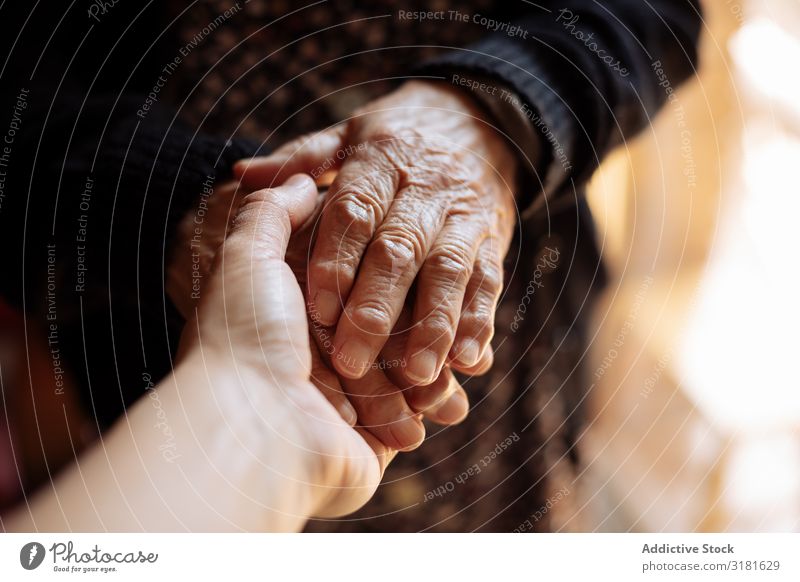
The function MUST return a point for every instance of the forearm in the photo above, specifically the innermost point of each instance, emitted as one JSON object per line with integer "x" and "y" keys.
{"x": 172, "y": 464}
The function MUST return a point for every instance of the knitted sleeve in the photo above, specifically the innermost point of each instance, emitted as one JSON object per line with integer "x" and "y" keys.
{"x": 585, "y": 75}
{"x": 94, "y": 175}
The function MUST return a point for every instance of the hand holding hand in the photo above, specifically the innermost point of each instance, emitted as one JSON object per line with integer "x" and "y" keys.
{"x": 383, "y": 401}
{"x": 251, "y": 335}
{"x": 422, "y": 196}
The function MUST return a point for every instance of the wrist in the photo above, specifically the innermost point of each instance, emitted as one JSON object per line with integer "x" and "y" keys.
{"x": 246, "y": 436}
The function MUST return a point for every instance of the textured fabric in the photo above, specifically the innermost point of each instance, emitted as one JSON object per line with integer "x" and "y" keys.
{"x": 280, "y": 69}
{"x": 586, "y": 105}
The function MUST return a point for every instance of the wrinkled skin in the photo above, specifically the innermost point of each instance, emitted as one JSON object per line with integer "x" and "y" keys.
{"x": 383, "y": 401}
{"x": 422, "y": 196}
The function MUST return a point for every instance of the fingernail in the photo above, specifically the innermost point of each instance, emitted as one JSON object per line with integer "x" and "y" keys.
{"x": 347, "y": 412}
{"x": 408, "y": 432}
{"x": 297, "y": 181}
{"x": 421, "y": 367}
{"x": 326, "y": 305}
{"x": 355, "y": 356}
{"x": 453, "y": 410}
{"x": 468, "y": 352}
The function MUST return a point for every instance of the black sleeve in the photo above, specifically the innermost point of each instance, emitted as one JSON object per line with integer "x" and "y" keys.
{"x": 94, "y": 175}
{"x": 586, "y": 75}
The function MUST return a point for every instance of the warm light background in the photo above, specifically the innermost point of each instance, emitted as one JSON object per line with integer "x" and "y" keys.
{"x": 696, "y": 422}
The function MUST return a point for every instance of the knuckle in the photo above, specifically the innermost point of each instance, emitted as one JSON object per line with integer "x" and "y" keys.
{"x": 450, "y": 262}
{"x": 385, "y": 138}
{"x": 479, "y": 321}
{"x": 340, "y": 261}
{"x": 478, "y": 316}
{"x": 489, "y": 278}
{"x": 265, "y": 195}
{"x": 439, "y": 325}
{"x": 482, "y": 306}
{"x": 472, "y": 204}
{"x": 262, "y": 206}
{"x": 398, "y": 248}
{"x": 372, "y": 317}
{"x": 331, "y": 274}
{"x": 236, "y": 245}
{"x": 259, "y": 213}
{"x": 355, "y": 212}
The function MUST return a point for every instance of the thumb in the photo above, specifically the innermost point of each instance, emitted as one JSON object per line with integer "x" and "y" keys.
{"x": 313, "y": 154}
{"x": 267, "y": 217}
{"x": 253, "y": 309}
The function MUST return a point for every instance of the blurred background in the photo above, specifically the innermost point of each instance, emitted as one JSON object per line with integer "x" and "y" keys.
{"x": 695, "y": 421}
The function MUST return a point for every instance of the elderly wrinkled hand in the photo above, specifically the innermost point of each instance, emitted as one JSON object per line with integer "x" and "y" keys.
{"x": 383, "y": 400}
{"x": 421, "y": 211}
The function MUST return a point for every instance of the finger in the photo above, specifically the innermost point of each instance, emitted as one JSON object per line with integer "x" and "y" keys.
{"x": 379, "y": 404}
{"x": 385, "y": 276}
{"x": 441, "y": 285}
{"x": 444, "y": 401}
{"x": 346, "y": 499}
{"x": 358, "y": 200}
{"x": 266, "y": 218}
{"x": 327, "y": 383}
{"x": 450, "y": 410}
{"x": 484, "y": 364}
{"x": 383, "y": 411}
{"x": 312, "y": 154}
{"x": 384, "y": 454}
{"x": 476, "y": 326}
{"x": 251, "y": 280}
{"x": 419, "y": 398}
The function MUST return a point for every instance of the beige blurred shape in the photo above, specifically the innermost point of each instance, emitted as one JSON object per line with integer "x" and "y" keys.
{"x": 695, "y": 409}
